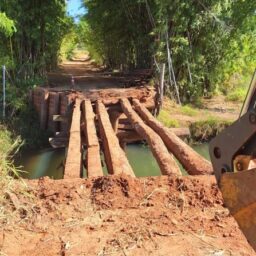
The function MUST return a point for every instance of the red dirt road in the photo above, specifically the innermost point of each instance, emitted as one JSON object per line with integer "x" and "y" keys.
{"x": 120, "y": 215}
{"x": 85, "y": 76}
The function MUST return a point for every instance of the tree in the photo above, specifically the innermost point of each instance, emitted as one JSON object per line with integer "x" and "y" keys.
{"x": 209, "y": 40}
{"x": 41, "y": 25}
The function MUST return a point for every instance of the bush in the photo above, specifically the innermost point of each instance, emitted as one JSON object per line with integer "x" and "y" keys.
{"x": 204, "y": 131}
{"x": 237, "y": 95}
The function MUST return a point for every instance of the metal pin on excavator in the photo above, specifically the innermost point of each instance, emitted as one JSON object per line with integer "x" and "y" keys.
{"x": 233, "y": 155}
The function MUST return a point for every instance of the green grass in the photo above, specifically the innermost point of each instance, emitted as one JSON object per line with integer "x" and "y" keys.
{"x": 164, "y": 117}
{"x": 188, "y": 110}
{"x": 237, "y": 95}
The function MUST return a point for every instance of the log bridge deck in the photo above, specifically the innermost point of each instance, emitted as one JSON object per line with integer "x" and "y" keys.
{"x": 92, "y": 122}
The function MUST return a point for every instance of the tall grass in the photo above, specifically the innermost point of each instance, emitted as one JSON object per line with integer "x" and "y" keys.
{"x": 189, "y": 110}
{"x": 165, "y": 118}
{"x": 7, "y": 169}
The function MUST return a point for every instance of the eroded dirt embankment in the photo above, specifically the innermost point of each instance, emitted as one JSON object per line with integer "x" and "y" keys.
{"x": 120, "y": 215}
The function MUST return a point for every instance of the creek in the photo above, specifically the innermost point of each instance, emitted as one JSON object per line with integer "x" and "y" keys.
{"x": 50, "y": 162}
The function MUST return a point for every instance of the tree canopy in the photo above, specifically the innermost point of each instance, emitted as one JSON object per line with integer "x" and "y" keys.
{"x": 209, "y": 40}
{"x": 39, "y": 26}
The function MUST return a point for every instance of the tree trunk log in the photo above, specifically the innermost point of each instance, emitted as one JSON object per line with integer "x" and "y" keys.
{"x": 190, "y": 160}
{"x": 93, "y": 160}
{"x": 115, "y": 157}
{"x": 165, "y": 160}
{"x": 73, "y": 160}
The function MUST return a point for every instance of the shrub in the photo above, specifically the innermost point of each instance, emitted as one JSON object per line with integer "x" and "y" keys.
{"x": 204, "y": 131}
{"x": 237, "y": 95}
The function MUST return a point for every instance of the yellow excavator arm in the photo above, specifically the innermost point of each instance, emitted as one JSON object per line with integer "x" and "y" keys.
{"x": 233, "y": 156}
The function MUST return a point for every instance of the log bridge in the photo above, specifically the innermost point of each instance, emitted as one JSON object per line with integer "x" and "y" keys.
{"x": 101, "y": 122}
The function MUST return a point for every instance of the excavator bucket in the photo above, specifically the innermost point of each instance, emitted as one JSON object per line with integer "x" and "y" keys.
{"x": 233, "y": 155}
{"x": 238, "y": 191}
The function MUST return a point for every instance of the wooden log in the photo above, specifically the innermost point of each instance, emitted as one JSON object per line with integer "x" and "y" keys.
{"x": 132, "y": 136}
{"x": 37, "y": 98}
{"x": 115, "y": 157}
{"x": 73, "y": 159}
{"x": 93, "y": 160}
{"x": 64, "y": 104}
{"x": 190, "y": 159}
{"x": 54, "y": 109}
{"x": 127, "y": 127}
{"x": 165, "y": 160}
{"x": 114, "y": 119}
{"x": 44, "y": 109}
{"x": 181, "y": 132}
{"x": 128, "y": 137}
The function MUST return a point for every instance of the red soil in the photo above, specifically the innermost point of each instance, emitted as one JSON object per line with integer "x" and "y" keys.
{"x": 120, "y": 215}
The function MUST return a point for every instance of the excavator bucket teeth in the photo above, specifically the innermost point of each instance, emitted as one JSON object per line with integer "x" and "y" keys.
{"x": 238, "y": 191}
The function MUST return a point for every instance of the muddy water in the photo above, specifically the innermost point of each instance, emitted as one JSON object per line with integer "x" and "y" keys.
{"x": 50, "y": 162}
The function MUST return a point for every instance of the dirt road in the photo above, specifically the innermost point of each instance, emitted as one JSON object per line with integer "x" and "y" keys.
{"x": 85, "y": 75}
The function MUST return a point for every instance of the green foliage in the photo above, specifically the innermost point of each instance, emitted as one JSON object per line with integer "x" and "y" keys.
{"x": 8, "y": 147}
{"x": 204, "y": 131}
{"x": 237, "y": 95}
{"x": 40, "y": 28}
{"x": 31, "y": 38}
{"x": 209, "y": 40}
{"x": 118, "y": 31}
{"x": 164, "y": 117}
{"x": 88, "y": 39}
{"x": 68, "y": 46}
{"x": 8, "y": 172}
{"x": 6, "y": 25}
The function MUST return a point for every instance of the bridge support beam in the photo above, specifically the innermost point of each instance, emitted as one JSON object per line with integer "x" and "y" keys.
{"x": 73, "y": 159}
{"x": 44, "y": 110}
{"x": 93, "y": 161}
{"x": 192, "y": 162}
{"x": 165, "y": 160}
{"x": 115, "y": 157}
{"x": 54, "y": 101}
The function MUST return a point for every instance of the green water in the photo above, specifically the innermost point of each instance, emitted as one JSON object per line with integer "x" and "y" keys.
{"x": 42, "y": 163}
{"x": 50, "y": 162}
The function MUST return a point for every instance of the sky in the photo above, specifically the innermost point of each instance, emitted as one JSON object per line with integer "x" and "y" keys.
{"x": 75, "y": 9}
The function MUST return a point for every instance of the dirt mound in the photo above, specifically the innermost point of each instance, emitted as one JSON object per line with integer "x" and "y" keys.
{"x": 116, "y": 192}
{"x": 120, "y": 215}
{"x": 125, "y": 192}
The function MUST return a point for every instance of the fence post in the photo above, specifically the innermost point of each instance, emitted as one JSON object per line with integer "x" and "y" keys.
{"x": 4, "y": 86}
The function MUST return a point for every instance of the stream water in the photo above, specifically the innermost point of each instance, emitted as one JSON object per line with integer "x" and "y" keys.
{"x": 49, "y": 162}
